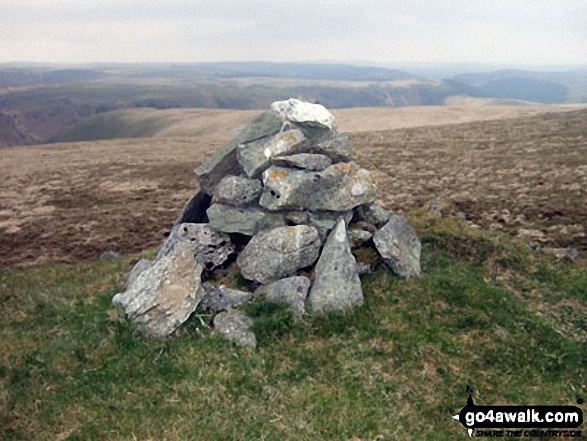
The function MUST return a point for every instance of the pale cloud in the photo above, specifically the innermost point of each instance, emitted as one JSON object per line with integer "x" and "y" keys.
{"x": 491, "y": 31}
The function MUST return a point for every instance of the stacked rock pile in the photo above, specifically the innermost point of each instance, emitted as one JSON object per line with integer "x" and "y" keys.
{"x": 283, "y": 205}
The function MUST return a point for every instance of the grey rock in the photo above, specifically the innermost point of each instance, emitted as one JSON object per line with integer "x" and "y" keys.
{"x": 335, "y": 147}
{"x": 297, "y": 217}
{"x": 247, "y": 220}
{"x": 194, "y": 211}
{"x": 291, "y": 291}
{"x": 224, "y": 162}
{"x": 364, "y": 269}
{"x": 337, "y": 286}
{"x": 307, "y": 161}
{"x": 373, "y": 214}
{"x": 139, "y": 267}
{"x": 217, "y": 298}
{"x": 255, "y": 156}
{"x": 163, "y": 296}
{"x": 399, "y": 246}
{"x": 278, "y": 253}
{"x": 439, "y": 206}
{"x": 324, "y": 221}
{"x": 340, "y": 187}
{"x": 301, "y": 112}
{"x": 109, "y": 255}
{"x": 211, "y": 248}
{"x": 570, "y": 254}
{"x": 358, "y": 237}
{"x": 235, "y": 326}
{"x": 238, "y": 191}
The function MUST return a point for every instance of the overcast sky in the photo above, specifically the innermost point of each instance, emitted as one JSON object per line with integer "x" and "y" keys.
{"x": 380, "y": 31}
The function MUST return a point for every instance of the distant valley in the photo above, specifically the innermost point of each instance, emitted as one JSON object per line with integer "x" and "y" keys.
{"x": 40, "y": 104}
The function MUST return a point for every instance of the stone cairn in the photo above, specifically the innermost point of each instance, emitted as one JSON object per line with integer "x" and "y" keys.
{"x": 284, "y": 205}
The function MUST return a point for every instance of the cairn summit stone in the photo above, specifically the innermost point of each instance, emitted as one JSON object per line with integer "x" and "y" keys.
{"x": 399, "y": 246}
{"x": 278, "y": 253}
{"x": 337, "y": 285}
{"x": 297, "y": 111}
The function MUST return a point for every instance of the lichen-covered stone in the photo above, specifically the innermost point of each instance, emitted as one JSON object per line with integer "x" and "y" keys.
{"x": 244, "y": 220}
{"x": 139, "y": 267}
{"x": 210, "y": 247}
{"x": 306, "y": 161}
{"x": 224, "y": 162}
{"x": 340, "y": 187}
{"x": 217, "y": 298}
{"x": 373, "y": 214}
{"x": 237, "y": 190}
{"x": 255, "y": 156}
{"x": 235, "y": 326}
{"x": 337, "y": 286}
{"x": 164, "y": 295}
{"x": 291, "y": 291}
{"x": 278, "y": 253}
{"x": 399, "y": 246}
{"x": 301, "y": 112}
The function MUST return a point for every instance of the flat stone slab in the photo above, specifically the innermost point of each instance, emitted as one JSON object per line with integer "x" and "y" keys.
{"x": 291, "y": 291}
{"x": 244, "y": 220}
{"x": 237, "y": 190}
{"x": 340, "y": 187}
{"x": 337, "y": 286}
{"x": 255, "y": 157}
{"x": 224, "y": 161}
{"x": 278, "y": 253}
{"x": 235, "y": 326}
{"x": 164, "y": 295}
{"x": 399, "y": 246}
{"x": 306, "y": 161}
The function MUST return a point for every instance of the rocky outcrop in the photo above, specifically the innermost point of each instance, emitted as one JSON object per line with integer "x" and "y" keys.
{"x": 282, "y": 196}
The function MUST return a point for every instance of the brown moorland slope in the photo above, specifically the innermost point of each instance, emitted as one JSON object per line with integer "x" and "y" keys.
{"x": 67, "y": 202}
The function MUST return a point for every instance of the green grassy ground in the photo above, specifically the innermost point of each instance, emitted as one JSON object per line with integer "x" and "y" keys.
{"x": 487, "y": 312}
